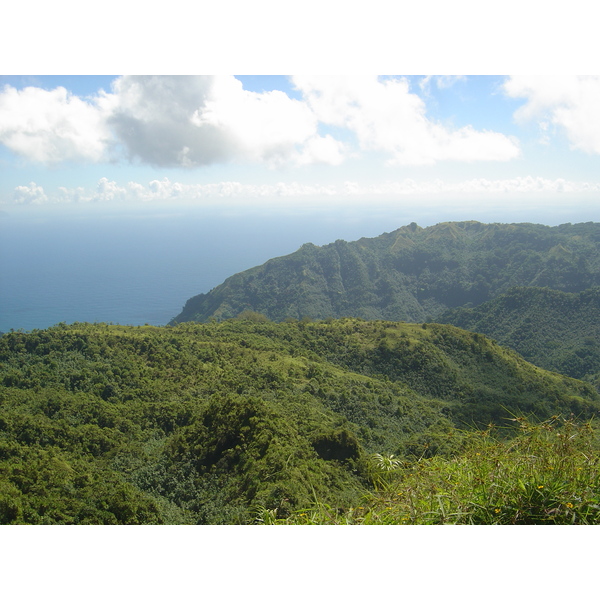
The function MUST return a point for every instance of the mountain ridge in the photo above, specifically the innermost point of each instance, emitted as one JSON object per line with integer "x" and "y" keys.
{"x": 410, "y": 274}
{"x": 555, "y": 330}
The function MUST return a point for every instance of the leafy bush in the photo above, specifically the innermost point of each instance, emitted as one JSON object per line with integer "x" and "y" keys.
{"x": 548, "y": 473}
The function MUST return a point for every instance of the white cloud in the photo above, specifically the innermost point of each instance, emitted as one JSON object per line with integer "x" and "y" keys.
{"x": 166, "y": 191}
{"x": 322, "y": 149}
{"x": 166, "y": 121}
{"x": 76, "y": 195}
{"x": 29, "y": 194}
{"x": 190, "y": 121}
{"x": 199, "y": 120}
{"x": 153, "y": 119}
{"x": 482, "y": 187}
{"x": 571, "y": 103}
{"x": 263, "y": 127}
{"x": 385, "y": 116}
{"x": 109, "y": 191}
{"x": 51, "y": 126}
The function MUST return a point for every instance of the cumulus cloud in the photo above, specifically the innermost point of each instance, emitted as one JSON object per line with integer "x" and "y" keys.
{"x": 481, "y": 186}
{"x": 191, "y": 121}
{"x": 570, "y": 103}
{"x": 322, "y": 149}
{"x": 29, "y": 194}
{"x": 387, "y": 117}
{"x": 167, "y": 191}
{"x": 266, "y": 127}
{"x": 166, "y": 121}
{"x": 153, "y": 119}
{"x": 52, "y": 126}
{"x": 196, "y": 120}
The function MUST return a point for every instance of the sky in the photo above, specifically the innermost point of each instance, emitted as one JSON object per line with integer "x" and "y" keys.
{"x": 445, "y": 111}
{"x": 509, "y": 147}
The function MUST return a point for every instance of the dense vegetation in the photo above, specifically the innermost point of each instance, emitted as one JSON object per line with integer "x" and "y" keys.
{"x": 411, "y": 274}
{"x": 547, "y": 474}
{"x": 556, "y": 330}
{"x": 225, "y": 422}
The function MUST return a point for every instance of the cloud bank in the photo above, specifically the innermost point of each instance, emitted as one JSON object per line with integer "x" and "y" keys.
{"x": 166, "y": 191}
{"x": 386, "y": 117}
{"x": 193, "y": 121}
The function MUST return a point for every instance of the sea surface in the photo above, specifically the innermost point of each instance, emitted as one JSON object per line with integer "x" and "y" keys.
{"x": 140, "y": 264}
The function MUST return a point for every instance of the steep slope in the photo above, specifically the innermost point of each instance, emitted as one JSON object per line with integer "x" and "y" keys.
{"x": 209, "y": 423}
{"x": 555, "y": 330}
{"x": 412, "y": 274}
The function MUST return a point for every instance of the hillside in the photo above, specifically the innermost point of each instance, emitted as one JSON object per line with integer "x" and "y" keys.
{"x": 556, "y": 330}
{"x": 412, "y": 274}
{"x": 210, "y": 423}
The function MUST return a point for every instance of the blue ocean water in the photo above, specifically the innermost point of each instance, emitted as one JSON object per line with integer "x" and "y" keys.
{"x": 137, "y": 266}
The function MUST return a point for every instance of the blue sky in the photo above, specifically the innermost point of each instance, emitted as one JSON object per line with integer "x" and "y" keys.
{"x": 479, "y": 146}
{"x": 362, "y": 140}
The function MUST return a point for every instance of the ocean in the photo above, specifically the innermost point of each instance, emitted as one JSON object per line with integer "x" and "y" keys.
{"x": 140, "y": 264}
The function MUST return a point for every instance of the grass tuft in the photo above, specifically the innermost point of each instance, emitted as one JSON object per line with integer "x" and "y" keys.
{"x": 546, "y": 473}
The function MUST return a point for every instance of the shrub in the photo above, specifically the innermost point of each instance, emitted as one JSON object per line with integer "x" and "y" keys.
{"x": 548, "y": 473}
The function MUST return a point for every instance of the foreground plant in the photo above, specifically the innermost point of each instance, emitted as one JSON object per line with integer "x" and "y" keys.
{"x": 548, "y": 473}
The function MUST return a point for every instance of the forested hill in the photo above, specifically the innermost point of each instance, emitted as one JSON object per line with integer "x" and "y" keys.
{"x": 411, "y": 274}
{"x": 555, "y": 330}
{"x": 209, "y": 423}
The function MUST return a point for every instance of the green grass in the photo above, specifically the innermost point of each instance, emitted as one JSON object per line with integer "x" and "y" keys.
{"x": 548, "y": 473}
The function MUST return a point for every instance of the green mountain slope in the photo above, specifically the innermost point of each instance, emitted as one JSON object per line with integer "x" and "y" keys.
{"x": 208, "y": 423}
{"x": 411, "y": 274}
{"x": 555, "y": 330}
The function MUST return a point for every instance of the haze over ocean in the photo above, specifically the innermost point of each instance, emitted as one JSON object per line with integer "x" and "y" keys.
{"x": 132, "y": 266}
{"x": 136, "y": 267}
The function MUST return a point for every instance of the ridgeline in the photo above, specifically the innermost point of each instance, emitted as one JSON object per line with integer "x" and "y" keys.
{"x": 556, "y": 330}
{"x": 412, "y": 274}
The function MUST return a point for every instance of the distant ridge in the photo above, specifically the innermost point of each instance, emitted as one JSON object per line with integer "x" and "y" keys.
{"x": 411, "y": 274}
{"x": 555, "y": 330}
